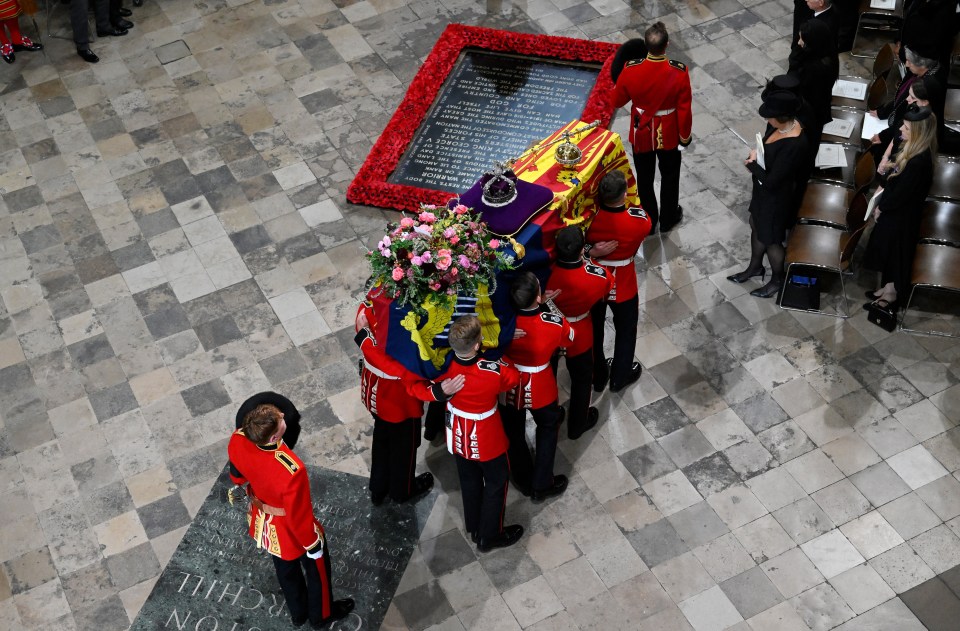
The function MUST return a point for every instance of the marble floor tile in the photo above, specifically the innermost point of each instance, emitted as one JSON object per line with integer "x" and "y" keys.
{"x": 174, "y": 235}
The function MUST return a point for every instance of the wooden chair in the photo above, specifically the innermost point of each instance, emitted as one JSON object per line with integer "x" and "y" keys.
{"x": 935, "y": 267}
{"x": 941, "y": 223}
{"x": 853, "y": 116}
{"x": 946, "y": 179}
{"x": 884, "y": 61}
{"x": 828, "y": 204}
{"x": 951, "y": 108}
{"x": 826, "y": 249}
{"x": 844, "y": 176}
{"x": 858, "y": 104}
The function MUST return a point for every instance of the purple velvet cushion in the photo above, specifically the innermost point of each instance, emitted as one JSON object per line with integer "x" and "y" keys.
{"x": 507, "y": 220}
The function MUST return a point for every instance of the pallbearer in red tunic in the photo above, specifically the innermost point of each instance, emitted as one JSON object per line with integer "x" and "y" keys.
{"x": 578, "y": 286}
{"x": 544, "y": 333}
{"x": 10, "y": 11}
{"x": 394, "y": 396}
{"x": 281, "y": 516}
{"x": 475, "y": 436}
{"x": 614, "y": 237}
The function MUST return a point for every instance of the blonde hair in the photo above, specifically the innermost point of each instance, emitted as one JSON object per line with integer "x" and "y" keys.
{"x": 465, "y": 334}
{"x": 923, "y": 137}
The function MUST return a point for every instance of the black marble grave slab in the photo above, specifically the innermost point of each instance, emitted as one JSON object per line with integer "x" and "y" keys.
{"x": 218, "y": 581}
{"x": 491, "y": 107}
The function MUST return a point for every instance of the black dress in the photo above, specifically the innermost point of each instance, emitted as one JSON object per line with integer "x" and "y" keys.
{"x": 894, "y": 239}
{"x": 774, "y": 189}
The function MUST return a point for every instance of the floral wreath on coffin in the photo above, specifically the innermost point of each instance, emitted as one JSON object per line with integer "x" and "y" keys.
{"x": 434, "y": 255}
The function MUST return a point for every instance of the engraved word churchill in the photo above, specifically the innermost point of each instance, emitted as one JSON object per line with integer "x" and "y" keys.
{"x": 218, "y": 581}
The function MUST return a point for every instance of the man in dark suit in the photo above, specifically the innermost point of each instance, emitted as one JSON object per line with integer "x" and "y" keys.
{"x": 110, "y": 23}
{"x": 823, "y": 10}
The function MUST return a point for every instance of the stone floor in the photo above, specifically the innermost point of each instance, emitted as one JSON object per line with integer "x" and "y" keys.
{"x": 174, "y": 237}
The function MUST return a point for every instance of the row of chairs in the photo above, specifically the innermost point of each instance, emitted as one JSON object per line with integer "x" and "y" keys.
{"x": 832, "y": 219}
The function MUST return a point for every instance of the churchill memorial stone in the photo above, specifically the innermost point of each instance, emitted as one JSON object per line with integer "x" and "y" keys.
{"x": 217, "y": 580}
{"x": 492, "y": 106}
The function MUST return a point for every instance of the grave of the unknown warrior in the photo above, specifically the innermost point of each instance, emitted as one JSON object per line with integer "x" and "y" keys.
{"x": 218, "y": 581}
{"x": 492, "y": 106}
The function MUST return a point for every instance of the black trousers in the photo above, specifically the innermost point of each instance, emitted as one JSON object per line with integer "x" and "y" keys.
{"x": 306, "y": 584}
{"x": 394, "y": 457}
{"x": 668, "y": 160}
{"x": 107, "y": 13}
{"x": 625, "y": 316}
{"x": 435, "y": 419}
{"x": 535, "y": 472}
{"x": 484, "y": 489}
{"x": 580, "y": 368}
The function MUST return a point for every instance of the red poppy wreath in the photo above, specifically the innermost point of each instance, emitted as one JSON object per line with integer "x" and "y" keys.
{"x": 370, "y": 186}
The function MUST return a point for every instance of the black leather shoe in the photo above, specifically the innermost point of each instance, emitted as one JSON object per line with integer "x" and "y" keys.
{"x": 123, "y": 24}
{"x": 298, "y": 622}
{"x": 125, "y": 13}
{"x": 768, "y": 290}
{"x": 88, "y": 55}
{"x": 112, "y": 32}
{"x": 559, "y": 486}
{"x": 600, "y": 380}
{"x": 377, "y": 498}
{"x": 525, "y": 491}
{"x": 667, "y": 227}
{"x": 474, "y": 537}
{"x": 509, "y": 536}
{"x": 635, "y": 371}
{"x": 339, "y": 610}
{"x": 27, "y": 46}
{"x": 593, "y": 416}
{"x": 138, "y": 3}
{"x": 421, "y": 485}
{"x": 745, "y": 275}
{"x": 6, "y": 51}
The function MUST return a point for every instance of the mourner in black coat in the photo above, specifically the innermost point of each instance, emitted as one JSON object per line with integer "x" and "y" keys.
{"x": 905, "y": 185}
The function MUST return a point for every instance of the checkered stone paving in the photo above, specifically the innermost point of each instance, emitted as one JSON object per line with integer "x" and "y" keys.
{"x": 174, "y": 237}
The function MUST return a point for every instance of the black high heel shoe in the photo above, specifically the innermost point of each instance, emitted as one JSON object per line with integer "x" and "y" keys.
{"x": 770, "y": 289}
{"x": 746, "y": 275}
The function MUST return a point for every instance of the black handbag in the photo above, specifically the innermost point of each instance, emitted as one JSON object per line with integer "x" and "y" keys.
{"x": 801, "y": 292}
{"x": 883, "y": 317}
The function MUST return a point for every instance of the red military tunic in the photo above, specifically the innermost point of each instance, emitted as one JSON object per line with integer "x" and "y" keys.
{"x": 629, "y": 227}
{"x": 530, "y": 354}
{"x": 388, "y": 390}
{"x": 278, "y": 479}
{"x": 581, "y": 286}
{"x": 659, "y": 88}
{"x": 474, "y": 428}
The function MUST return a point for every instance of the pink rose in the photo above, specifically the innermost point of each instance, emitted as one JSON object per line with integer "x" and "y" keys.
{"x": 426, "y": 257}
{"x": 416, "y": 260}
{"x": 454, "y": 271}
{"x": 454, "y": 240}
{"x": 460, "y": 209}
{"x": 464, "y": 261}
{"x": 449, "y": 232}
{"x": 494, "y": 243}
{"x": 406, "y": 222}
{"x": 427, "y": 217}
{"x": 397, "y": 273}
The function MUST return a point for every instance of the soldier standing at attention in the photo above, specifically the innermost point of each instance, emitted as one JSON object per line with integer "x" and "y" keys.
{"x": 281, "y": 517}
{"x": 577, "y": 286}
{"x": 614, "y": 236}
{"x": 476, "y": 438}
{"x": 545, "y": 332}
{"x": 660, "y": 123}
